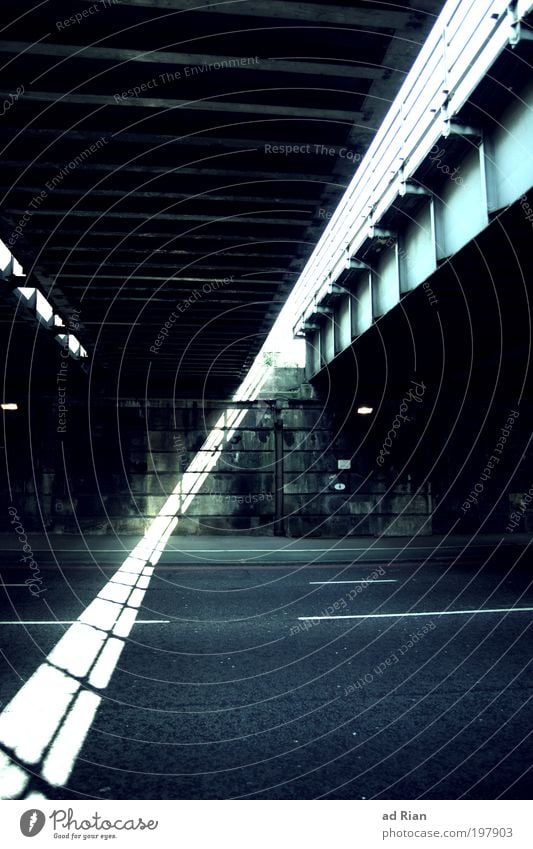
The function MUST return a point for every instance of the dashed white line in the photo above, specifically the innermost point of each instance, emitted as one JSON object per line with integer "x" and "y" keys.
{"x": 326, "y": 583}
{"x": 421, "y": 613}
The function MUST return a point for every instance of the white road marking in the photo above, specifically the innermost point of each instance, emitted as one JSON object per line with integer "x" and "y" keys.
{"x": 73, "y": 622}
{"x": 326, "y": 583}
{"x": 315, "y": 550}
{"x": 14, "y": 585}
{"x": 65, "y": 713}
{"x": 423, "y": 613}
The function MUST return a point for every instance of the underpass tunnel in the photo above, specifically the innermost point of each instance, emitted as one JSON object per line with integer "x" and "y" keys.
{"x": 266, "y": 398}
{"x": 443, "y": 387}
{"x": 171, "y": 308}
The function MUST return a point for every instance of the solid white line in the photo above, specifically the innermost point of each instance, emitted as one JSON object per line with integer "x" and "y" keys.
{"x": 424, "y": 613}
{"x": 14, "y": 585}
{"x": 73, "y": 622}
{"x": 325, "y": 583}
{"x": 314, "y": 550}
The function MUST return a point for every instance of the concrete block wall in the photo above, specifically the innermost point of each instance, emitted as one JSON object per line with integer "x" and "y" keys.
{"x": 123, "y": 463}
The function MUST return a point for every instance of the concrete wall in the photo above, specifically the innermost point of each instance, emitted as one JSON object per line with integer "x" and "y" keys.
{"x": 112, "y": 471}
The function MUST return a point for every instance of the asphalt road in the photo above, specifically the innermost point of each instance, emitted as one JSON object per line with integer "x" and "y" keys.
{"x": 230, "y": 686}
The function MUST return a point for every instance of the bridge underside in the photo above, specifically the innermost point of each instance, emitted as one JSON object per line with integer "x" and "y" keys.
{"x": 170, "y": 248}
{"x": 172, "y": 157}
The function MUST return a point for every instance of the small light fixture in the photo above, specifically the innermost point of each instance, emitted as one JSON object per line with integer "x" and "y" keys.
{"x": 365, "y": 411}
{"x": 9, "y": 406}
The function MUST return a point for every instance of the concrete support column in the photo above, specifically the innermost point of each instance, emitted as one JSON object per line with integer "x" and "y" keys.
{"x": 279, "y": 516}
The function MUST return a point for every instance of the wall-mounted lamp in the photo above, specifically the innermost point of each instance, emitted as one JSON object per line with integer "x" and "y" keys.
{"x": 9, "y": 406}
{"x": 365, "y": 411}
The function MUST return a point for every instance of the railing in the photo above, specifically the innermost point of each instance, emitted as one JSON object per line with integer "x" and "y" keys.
{"x": 464, "y": 43}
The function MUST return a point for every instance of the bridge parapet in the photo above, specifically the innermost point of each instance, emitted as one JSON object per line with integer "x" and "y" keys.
{"x": 429, "y": 183}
